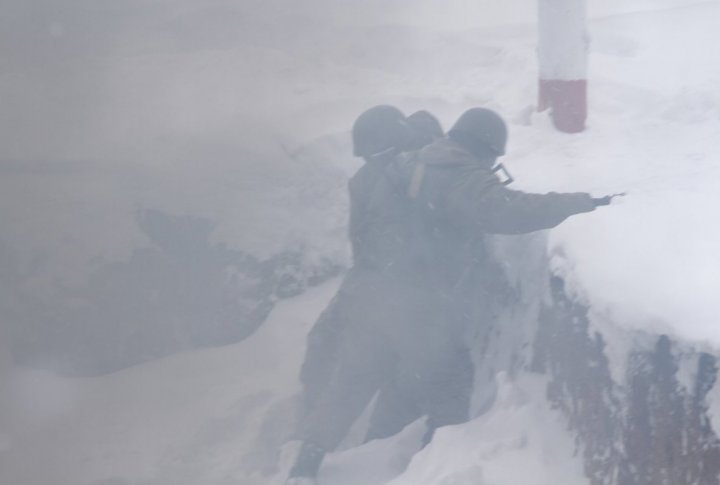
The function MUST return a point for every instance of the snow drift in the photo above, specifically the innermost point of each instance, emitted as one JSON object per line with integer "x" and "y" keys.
{"x": 610, "y": 343}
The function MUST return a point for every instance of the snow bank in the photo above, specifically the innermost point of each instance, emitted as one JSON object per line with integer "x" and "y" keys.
{"x": 520, "y": 440}
{"x": 214, "y": 416}
{"x": 651, "y": 261}
{"x": 219, "y": 417}
{"x": 249, "y": 127}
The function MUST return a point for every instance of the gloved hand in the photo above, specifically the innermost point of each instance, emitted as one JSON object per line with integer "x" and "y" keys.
{"x": 607, "y": 200}
{"x": 598, "y": 201}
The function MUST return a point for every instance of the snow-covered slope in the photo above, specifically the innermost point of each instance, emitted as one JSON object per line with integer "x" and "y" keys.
{"x": 221, "y": 416}
{"x": 189, "y": 419}
{"x": 248, "y": 127}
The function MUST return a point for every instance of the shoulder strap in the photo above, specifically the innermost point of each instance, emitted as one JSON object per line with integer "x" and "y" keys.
{"x": 416, "y": 181}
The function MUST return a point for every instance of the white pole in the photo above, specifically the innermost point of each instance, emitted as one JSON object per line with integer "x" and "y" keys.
{"x": 562, "y": 59}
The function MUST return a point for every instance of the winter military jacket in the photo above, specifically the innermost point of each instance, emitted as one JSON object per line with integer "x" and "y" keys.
{"x": 459, "y": 200}
{"x": 462, "y": 188}
{"x": 379, "y": 230}
{"x": 374, "y": 302}
{"x": 387, "y": 291}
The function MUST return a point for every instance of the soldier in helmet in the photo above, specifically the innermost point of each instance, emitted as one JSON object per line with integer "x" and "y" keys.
{"x": 443, "y": 393}
{"x": 380, "y": 333}
{"x": 322, "y": 343}
{"x": 375, "y": 131}
{"x": 461, "y": 200}
{"x": 456, "y": 184}
{"x": 349, "y": 351}
{"x": 426, "y": 129}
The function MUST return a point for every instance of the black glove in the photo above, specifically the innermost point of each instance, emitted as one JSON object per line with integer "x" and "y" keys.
{"x": 598, "y": 201}
{"x": 607, "y": 200}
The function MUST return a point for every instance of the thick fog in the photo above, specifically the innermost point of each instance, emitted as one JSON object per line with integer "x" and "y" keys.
{"x": 173, "y": 181}
{"x": 178, "y": 129}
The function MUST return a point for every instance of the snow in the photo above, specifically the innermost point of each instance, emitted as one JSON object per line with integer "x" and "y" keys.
{"x": 177, "y": 131}
{"x": 520, "y": 440}
{"x": 650, "y": 262}
{"x": 173, "y": 127}
{"x": 191, "y": 418}
{"x": 713, "y": 403}
{"x": 378, "y": 461}
{"x": 208, "y": 417}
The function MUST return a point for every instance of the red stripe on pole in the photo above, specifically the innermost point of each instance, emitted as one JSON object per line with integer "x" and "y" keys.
{"x": 567, "y": 102}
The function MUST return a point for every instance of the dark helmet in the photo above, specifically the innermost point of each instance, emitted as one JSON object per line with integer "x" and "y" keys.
{"x": 482, "y": 127}
{"x": 379, "y": 129}
{"x": 425, "y": 129}
{"x": 425, "y": 122}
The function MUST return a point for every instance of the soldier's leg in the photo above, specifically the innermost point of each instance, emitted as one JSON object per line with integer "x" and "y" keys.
{"x": 447, "y": 388}
{"x": 321, "y": 357}
{"x": 327, "y": 335}
{"x": 395, "y": 408}
{"x": 363, "y": 369}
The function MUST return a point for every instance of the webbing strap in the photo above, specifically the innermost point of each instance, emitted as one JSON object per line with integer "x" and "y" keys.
{"x": 416, "y": 181}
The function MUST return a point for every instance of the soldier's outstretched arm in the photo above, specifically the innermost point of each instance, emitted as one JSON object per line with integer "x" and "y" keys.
{"x": 482, "y": 200}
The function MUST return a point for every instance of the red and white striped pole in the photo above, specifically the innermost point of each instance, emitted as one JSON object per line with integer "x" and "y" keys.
{"x": 562, "y": 59}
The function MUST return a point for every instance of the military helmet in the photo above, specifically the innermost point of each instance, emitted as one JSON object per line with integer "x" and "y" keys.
{"x": 425, "y": 129}
{"x": 379, "y": 129}
{"x": 485, "y": 127}
{"x": 426, "y": 123}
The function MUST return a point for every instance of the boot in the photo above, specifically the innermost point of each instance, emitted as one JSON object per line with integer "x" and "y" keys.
{"x": 306, "y": 465}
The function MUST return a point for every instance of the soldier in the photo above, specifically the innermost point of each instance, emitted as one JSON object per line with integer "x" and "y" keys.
{"x": 443, "y": 394}
{"x": 421, "y": 253}
{"x": 392, "y": 411}
{"x": 349, "y": 349}
{"x": 387, "y": 322}
{"x": 460, "y": 199}
{"x": 425, "y": 128}
{"x": 455, "y": 184}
